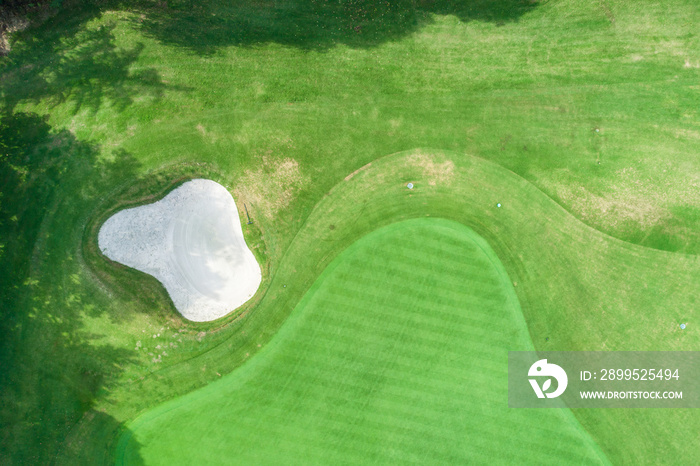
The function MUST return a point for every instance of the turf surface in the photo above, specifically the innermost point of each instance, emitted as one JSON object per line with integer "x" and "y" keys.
{"x": 397, "y": 354}
{"x": 111, "y": 102}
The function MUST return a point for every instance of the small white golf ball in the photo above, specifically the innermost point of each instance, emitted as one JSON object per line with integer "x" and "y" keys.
{"x": 498, "y": 205}
{"x": 682, "y": 326}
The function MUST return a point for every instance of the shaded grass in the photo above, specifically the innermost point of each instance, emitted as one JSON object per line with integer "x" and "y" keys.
{"x": 398, "y": 353}
{"x": 205, "y": 27}
{"x": 55, "y": 379}
{"x": 74, "y": 65}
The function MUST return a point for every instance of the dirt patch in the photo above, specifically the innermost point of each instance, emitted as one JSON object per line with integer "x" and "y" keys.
{"x": 207, "y": 135}
{"x": 687, "y": 134}
{"x": 628, "y": 202}
{"x": 9, "y": 24}
{"x": 634, "y": 208}
{"x": 433, "y": 172}
{"x": 607, "y": 11}
{"x": 271, "y": 187}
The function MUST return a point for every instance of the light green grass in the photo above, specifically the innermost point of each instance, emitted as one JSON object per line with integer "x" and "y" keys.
{"x": 397, "y": 354}
{"x": 557, "y": 266}
{"x": 130, "y": 91}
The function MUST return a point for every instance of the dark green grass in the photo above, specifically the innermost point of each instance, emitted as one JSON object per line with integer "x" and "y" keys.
{"x": 398, "y": 353}
{"x": 118, "y": 95}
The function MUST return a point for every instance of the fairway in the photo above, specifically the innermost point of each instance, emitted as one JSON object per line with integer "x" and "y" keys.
{"x": 562, "y": 136}
{"x": 398, "y": 353}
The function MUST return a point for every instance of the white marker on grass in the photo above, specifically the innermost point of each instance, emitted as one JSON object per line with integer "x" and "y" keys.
{"x": 498, "y": 205}
{"x": 409, "y": 185}
{"x": 682, "y": 326}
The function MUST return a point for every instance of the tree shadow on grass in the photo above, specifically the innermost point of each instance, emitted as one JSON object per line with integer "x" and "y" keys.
{"x": 204, "y": 26}
{"x": 72, "y": 63}
{"x": 101, "y": 429}
{"x": 68, "y": 60}
{"x": 51, "y": 370}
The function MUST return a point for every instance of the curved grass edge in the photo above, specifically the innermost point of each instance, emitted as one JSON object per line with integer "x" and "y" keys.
{"x": 557, "y": 264}
{"x": 524, "y": 343}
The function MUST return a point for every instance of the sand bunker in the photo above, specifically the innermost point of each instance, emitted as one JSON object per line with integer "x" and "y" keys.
{"x": 192, "y": 242}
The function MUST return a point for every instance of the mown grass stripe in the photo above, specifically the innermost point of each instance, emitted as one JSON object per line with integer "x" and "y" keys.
{"x": 438, "y": 318}
{"x": 369, "y": 372}
{"x": 448, "y": 304}
{"x": 430, "y": 334}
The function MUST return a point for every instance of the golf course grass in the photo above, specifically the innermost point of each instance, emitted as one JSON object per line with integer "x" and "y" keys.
{"x": 397, "y": 354}
{"x": 579, "y": 118}
{"x": 540, "y": 258}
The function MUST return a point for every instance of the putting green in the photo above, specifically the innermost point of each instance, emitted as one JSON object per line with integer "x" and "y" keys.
{"x": 398, "y": 353}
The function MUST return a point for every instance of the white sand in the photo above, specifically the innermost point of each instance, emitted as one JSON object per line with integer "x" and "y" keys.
{"x": 192, "y": 242}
